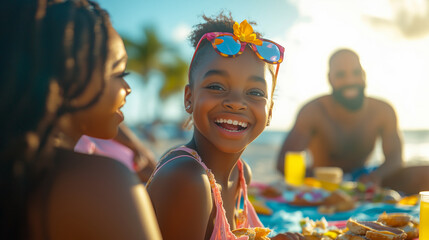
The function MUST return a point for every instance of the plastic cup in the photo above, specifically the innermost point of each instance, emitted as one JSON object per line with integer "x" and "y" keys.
{"x": 294, "y": 168}
{"x": 330, "y": 177}
{"x": 424, "y": 215}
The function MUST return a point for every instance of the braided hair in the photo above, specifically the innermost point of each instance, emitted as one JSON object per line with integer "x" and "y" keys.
{"x": 47, "y": 46}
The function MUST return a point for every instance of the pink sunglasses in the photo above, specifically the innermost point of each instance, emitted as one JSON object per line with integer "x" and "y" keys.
{"x": 228, "y": 45}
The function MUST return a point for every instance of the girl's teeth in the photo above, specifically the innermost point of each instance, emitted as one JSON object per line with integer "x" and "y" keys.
{"x": 231, "y": 130}
{"x": 233, "y": 122}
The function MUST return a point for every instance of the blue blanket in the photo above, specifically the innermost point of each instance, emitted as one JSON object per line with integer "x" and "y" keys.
{"x": 285, "y": 218}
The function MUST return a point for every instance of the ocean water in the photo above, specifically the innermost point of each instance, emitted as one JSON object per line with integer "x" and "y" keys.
{"x": 262, "y": 153}
{"x": 415, "y": 143}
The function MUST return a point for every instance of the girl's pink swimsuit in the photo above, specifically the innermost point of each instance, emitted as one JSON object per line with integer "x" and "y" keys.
{"x": 221, "y": 229}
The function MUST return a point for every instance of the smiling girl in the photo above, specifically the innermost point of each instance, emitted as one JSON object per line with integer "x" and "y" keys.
{"x": 197, "y": 188}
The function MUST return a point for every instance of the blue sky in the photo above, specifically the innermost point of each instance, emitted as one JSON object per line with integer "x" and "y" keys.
{"x": 391, "y": 37}
{"x": 273, "y": 16}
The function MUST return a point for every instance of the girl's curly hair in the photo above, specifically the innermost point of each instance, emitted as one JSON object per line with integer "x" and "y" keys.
{"x": 220, "y": 23}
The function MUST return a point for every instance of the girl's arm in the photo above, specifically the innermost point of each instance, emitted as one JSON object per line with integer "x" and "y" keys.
{"x": 182, "y": 199}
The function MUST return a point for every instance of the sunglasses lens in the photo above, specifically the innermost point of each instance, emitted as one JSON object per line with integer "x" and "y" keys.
{"x": 227, "y": 45}
{"x": 269, "y": 51}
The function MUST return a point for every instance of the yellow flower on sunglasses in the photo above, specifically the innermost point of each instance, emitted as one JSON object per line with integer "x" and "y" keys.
{"x": 244, "y": 32}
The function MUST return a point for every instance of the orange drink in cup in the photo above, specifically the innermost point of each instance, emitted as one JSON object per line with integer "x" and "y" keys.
{"x": 329, "y": 177}
{"x": 424, "y": 215}
{"x": 294, "y": 168}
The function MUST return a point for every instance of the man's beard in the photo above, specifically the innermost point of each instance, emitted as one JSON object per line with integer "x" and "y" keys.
{"x": 352, "y": 104}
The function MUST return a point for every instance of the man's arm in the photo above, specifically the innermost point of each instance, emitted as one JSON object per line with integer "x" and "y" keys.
{"x": 392, "y": 147}
{"x": 300, "y": 135}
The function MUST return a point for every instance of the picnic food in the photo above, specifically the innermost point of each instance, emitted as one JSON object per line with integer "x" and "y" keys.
{"x": 309, "y": 197}
{"x": 363, "y": 230}
{"x": 394, "y": 219}
{"x": 375, "y": 231}
{"x": 411, "y": 229}
{"x": 370, "y": 192}
{"x": 257, "y": 233}
{"x": 260, "y": 206}
{"x": 330, "y": 177}
{"x": 245, "y": 232}
{"x": 338, "y": 201}
{"x": 318, "y": 230}
{"x": 271, "y": 192}
{"x": 401, "y": 221}
{"x": 350, "y": 236}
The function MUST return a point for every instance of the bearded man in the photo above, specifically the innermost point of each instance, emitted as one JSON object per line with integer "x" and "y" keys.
{"x": 341, "y": 129}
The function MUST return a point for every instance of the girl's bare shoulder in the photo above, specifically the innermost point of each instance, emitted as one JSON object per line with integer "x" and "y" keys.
{"x": 181, "y": 171}
{"x": 181, "y": 195}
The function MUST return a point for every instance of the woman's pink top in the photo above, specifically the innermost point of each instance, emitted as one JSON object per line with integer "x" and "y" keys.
{"x": 106, "y": 147}
{"x": 221, "y": 229}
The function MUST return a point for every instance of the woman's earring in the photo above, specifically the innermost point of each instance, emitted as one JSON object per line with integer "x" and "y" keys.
{"x": 188, "y": 107}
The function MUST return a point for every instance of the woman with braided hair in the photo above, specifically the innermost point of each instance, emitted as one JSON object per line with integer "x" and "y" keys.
{"x": 62, "y": 76}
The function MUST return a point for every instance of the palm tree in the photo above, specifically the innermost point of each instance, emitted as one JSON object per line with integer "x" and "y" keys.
{"x": 175, "y": 77}
{"x": 149, "y": 55}
{"x": 143, "y": 56}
